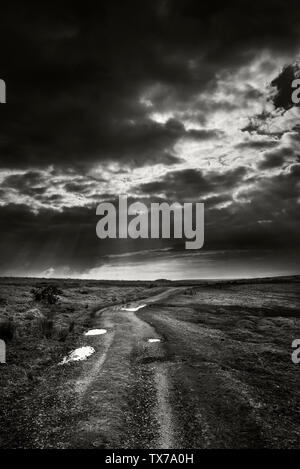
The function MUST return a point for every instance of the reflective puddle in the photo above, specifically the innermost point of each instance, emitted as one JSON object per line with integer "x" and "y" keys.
{"x": 96, "y": 332}
{"x": 154, "y": 340}
{"x": 134, "y": 308}
{"x": 78, "y": 354}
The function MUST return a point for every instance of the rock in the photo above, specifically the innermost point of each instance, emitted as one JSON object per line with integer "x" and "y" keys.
{"x": 34, "y": 313}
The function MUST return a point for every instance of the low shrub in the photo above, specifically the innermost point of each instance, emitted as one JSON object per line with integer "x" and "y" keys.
{"x": 46, "y": 327}
{"x": 3, "y": 301}
{"x": 49, "y": 294}
{"x": 71, "y": 326}
{"x": 62, "y": 333}
{"x": 7, "y": 330}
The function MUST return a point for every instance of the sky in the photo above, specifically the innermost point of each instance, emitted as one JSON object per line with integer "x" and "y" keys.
{"x": 175, "y": 101}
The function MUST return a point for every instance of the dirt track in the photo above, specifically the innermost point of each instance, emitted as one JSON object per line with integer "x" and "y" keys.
{"x": 177, "y": 393}
{"x": 126, "y": 381}
{"x": 220, "y": 376}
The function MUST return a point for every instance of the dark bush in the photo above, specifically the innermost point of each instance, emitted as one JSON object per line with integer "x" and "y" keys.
{"x": 7, "y": 330}
{"x": 62, "y": 333}
{"x": 71, "y": 326}
{"x": 46, "y": 327}
{"x": 3, "y": 301}
{"x": 48, "y": 294}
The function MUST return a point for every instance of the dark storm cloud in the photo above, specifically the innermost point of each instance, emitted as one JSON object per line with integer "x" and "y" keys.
{"x": 75, "y": 72}
{"x": 39, "y": 185}
{"x": 276, "y": 192}
{"x": 80, "y": 187}
{"x": 30, "y": 241}
{"x": 270, "y": 220}
{"x": 192, "y": 183}
{"x": 282, "y": 99}
{"x": 256, "y": 144}
{"x": 38, "y": 241}
{"x": 275, "y": 158}
{"x": 258, "y": 124}
{"x": 77, "y": 77}
{"x": 31, "y": 183}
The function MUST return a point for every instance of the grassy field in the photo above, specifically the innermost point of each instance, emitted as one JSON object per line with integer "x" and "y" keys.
{"x": 222, "y": 375}
{"x": 33, "y": 353}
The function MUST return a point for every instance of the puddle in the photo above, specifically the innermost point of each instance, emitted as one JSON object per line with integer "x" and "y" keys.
{"x": 96, "y": 332}
{"x": 79, "y": 354}
{"x": 154, "y": 340}
{"x": 134, "y": 308}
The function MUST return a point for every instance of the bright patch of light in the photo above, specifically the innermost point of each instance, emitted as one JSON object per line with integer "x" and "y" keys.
{"x": 134, "y": 308}
{"x": 146, "y": 101}
{"x": 96, "y": 332}
{"x": 161, "y": 117}
{"x": 79, "y": 354}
